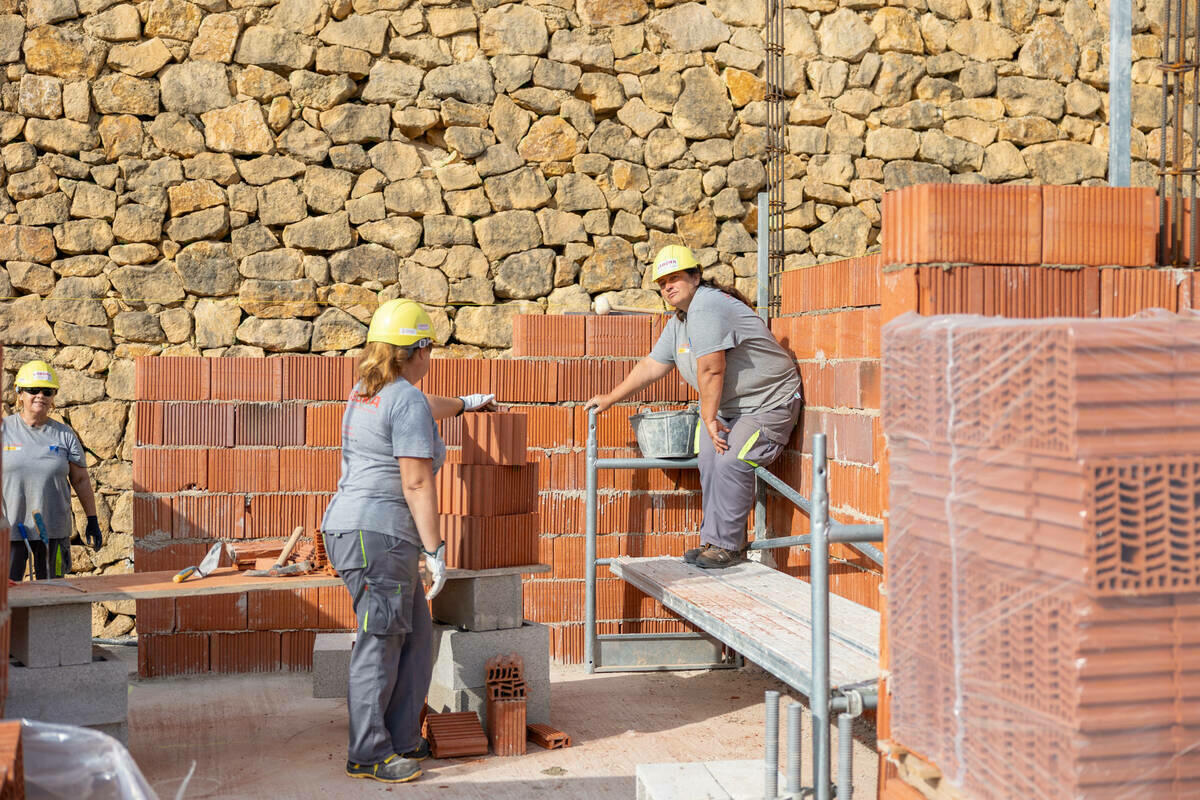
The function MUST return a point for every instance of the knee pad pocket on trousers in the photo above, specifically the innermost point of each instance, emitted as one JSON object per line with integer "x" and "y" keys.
{"x": 388, "y": 608}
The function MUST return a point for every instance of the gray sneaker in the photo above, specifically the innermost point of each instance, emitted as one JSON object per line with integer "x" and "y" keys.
{"x": 690, "y": 556}
{"x": 392, "y": 769}
{"x": 718, "y": 558}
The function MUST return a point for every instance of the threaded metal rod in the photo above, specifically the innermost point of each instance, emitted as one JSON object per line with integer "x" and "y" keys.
{"x": 771, "y": 745}
{"x": 845, "y": 780}
{"x": 794, "y": 748}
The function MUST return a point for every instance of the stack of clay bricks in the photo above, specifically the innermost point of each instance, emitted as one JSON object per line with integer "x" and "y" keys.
{"x": 506, "y": 705}
{"x": 244, "y": 450}
{"x": 1043, "y": 557}
{"x": 488, "y": 498}
{"x": 488, "y": 493}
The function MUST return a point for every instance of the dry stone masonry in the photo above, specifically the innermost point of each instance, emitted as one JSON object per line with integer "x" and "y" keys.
{"x": 246, "y": 177}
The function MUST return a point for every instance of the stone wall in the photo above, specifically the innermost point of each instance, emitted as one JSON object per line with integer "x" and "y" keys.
{"x": 238, "y": 177}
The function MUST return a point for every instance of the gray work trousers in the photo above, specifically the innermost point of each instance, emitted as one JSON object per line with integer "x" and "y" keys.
{"x": 392, "y": 661}
{"x": 727, "y": 479}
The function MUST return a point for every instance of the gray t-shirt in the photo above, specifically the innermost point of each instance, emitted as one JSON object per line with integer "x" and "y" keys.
{"x": 395, "y": 423}
{"x": 36, "y": 476}
{"x": 759, "y": 374}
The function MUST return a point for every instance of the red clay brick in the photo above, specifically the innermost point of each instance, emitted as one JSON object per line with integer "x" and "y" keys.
{"x": 473, "y": 489}
{"x": 296, "y": 650}
{"x": 555, "y": 335}
{"x": 618, "y": 335}
{"x": 172, "y": 378}
{"x": 155, "y": 616}
{"x": 151, "y": 517}
{"x": 335, "y": 609}
{"x": 494, "y": 438}
{"x": 281, "y": 609}
{"x": 269, "y": 424}
{"x": 561, "y": 514}
{"x": 946, "y": 223}
{"x": 173, "y": 556}
{"x": 162, "y": 655}
{"x": 161, "y": 470}
{"x": 218, "y": 612}
{"x": 252, "y": 651}
{"x": 208, "y": 516}
{"x": 244, "y": 470}
{"x": 149, "y": 421}
{"x": 514, "y": 381}
{"x": 247, "y": 379}
{"x": 206, "y": 424}
{"x": 305, "y": 470}
{"x": 317, "y": 377}
{"x": 323, "y": 425}
{"x": 451, "y": 377}
{"x": 1099, "y": 226}
{"x": 487, "y": 542}
{"x": 549, "y": 426}
{"x": 277, "y": 515}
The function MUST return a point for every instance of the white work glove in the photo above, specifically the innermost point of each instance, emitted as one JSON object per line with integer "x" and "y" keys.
{"x": 435, "y": 564}
{"x": 474, "y": 402}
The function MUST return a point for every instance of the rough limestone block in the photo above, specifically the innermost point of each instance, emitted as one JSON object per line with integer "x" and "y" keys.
{"x": 481, "y": 604}
{"x": 460, "y": 657}
{"x": 331, "y": 664}
{"x": 537, "y": 701}
{"x": 52, "y": 636}
{"x": 96, "y": 693}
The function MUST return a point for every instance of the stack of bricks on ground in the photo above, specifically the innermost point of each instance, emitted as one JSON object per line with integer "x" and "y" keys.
{"x": 1044, "y": 477}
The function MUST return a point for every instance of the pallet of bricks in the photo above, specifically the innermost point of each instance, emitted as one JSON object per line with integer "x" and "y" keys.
{"x": 1043, "y": 558}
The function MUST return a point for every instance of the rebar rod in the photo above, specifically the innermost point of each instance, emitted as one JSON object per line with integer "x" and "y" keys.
{"x": 795, "y": 747}
{"x": 771, "y": 747}
{"x": 845, "y": 778}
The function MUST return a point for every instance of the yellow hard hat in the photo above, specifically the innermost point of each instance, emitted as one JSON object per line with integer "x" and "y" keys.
{"x": 674, "y": 258}
{"x": 401, "y": 322}
{"x": 37, "y": 375}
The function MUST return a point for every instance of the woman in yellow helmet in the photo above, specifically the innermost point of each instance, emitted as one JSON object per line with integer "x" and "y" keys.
{"x": 750, "y": 395}
{"x": 382, "y": 519}
{"x": 43, "y": 461}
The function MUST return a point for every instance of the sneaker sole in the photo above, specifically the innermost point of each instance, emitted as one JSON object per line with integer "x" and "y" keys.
{"x": 712, "y": 565}
{"x": 412, "y": 777}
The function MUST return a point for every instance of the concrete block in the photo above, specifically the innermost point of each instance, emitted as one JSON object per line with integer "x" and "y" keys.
{"x": 481, "y": 604}
{"x": 52, "y": 636}
{"x": 442, "y": 698}
{"x": 460, "y": 657}
{"x": 117, "y": 730}
{"x": 96, "y": 693}
{"x": 331, "y": 664}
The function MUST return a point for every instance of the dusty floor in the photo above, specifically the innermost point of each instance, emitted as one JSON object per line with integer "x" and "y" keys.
{"x": 264, "y": 736}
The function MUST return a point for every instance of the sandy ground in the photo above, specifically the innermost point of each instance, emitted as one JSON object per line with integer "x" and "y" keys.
{"x": 265, "y": 736}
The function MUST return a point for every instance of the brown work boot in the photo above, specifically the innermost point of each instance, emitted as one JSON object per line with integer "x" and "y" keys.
{"x": 690, "y": 556}
{"x": 715, "y": 557}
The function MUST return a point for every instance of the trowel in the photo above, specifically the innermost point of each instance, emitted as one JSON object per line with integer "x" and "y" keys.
{"x": 211, "y": 561}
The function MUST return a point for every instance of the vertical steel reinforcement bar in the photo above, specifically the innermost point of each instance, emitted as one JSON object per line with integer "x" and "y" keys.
{"x": 589, "y": 556}
{"x": 1177, "y": 240}
{"x": 776, "y": 149}
{"x": 819, "y": 576}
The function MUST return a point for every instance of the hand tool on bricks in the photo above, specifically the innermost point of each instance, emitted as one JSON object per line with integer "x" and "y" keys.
{"x": 44, "y": 535}
{"x": 211, "y": 560}
{"x": 603, "y": 306}
{"x": 28, "y": 549}
{"x": 275, "y": 570}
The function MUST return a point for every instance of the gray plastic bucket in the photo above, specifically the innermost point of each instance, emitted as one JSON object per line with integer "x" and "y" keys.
{"x": 666, "y": 434}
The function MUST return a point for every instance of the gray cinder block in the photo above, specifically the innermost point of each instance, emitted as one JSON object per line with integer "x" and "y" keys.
{"x": 117, "y": 730}
{"x": 481, "y": 604}
{"x": 460, "y": 657}
{"x": 96, "y": 693}
{"x": 52, "y": 636}
{"x": 331, "y": 664}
